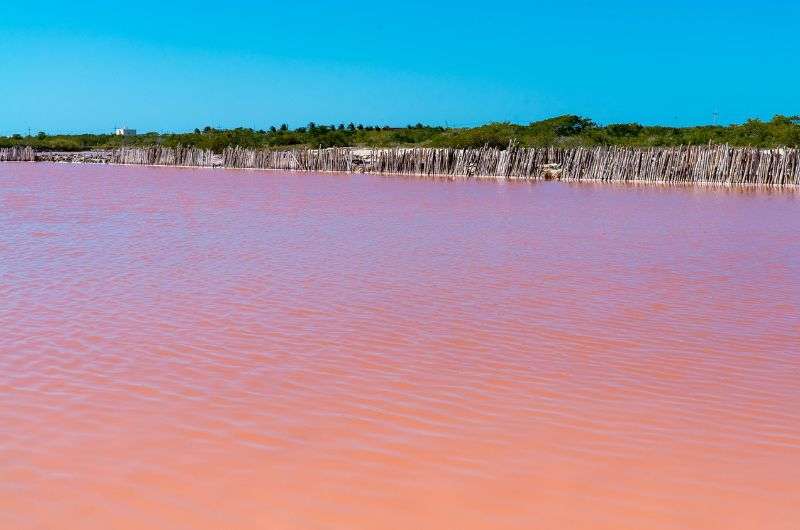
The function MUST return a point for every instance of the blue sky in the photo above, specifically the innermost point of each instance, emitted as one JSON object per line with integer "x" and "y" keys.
{"x": 176, "y": 65}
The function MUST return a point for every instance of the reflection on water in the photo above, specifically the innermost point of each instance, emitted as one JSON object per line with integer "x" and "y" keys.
{"x": 198, "y": 349}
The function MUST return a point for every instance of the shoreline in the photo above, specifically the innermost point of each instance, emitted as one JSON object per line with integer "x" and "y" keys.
{"x": 693, "y": 165}
{"x": 452, "y": 178}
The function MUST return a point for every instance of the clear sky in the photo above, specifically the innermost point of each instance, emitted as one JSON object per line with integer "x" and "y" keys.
{"x": 175, "y": 65}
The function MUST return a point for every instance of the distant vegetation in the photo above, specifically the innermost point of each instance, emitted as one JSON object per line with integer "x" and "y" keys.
{"x": 563, "y": 131}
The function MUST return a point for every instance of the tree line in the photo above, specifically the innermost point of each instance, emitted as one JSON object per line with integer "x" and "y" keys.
{"x": 562, "y": 131}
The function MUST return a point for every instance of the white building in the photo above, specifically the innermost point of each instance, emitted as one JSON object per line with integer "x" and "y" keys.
{"x": 125, "y": 132}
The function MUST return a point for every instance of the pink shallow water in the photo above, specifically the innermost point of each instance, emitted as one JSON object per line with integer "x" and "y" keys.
{"x": 208, "y": 349}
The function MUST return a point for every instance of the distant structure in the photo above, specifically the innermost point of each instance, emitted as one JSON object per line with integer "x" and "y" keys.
{"x": 124, "y": 131}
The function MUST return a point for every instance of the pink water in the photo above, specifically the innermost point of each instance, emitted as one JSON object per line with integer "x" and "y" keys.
{"x": 208, "y": 349}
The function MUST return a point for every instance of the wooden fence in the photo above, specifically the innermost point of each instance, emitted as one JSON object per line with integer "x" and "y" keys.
{"x": 686, "y": 164}
{"x": 691, "y": 164}
{"x": 164, "y": 156}
{"x": 17, "y": 154}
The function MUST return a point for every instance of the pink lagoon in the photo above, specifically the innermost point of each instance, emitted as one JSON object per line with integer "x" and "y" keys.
{"x": 222, "y": 349}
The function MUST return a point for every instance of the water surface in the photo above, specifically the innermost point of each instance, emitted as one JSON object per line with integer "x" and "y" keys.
{"x": 209, "y": 349}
